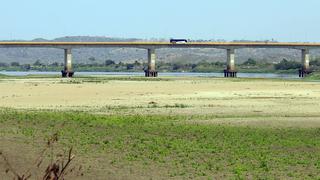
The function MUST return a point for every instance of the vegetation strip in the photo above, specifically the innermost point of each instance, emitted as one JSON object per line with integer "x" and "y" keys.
{"x": 177, "y": 149}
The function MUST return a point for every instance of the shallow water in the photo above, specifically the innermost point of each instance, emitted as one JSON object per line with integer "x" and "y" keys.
{"x": 176, "y": 74}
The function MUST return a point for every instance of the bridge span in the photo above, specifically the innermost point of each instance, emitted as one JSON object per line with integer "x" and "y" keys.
{"x": 151, "y": 47}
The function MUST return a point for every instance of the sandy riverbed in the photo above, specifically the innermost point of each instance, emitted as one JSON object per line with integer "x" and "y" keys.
{"x": 241, "y": 97}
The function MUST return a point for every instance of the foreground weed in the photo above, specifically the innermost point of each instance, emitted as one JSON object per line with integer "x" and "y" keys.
{"x": 57, "y": 170}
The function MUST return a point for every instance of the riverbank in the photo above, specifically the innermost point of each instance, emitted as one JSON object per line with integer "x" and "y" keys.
{"x": 168, "y": 127}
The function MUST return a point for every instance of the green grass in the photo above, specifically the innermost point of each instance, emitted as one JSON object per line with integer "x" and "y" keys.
{"x": 182, "y": 149}
{"x": 119, "y": 78}
{"x": 313, "y": 76}
{"x": 40, "y": 76}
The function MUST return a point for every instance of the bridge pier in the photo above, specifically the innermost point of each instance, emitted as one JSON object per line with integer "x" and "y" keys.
{"x": 231, "y": 70}
{"x": 67, "y": 71}
{"x": 151, "y": 71}
{"x": 305, "y": 59}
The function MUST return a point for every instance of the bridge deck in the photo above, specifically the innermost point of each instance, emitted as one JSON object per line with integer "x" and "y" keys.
{"x": 163, "y": 44}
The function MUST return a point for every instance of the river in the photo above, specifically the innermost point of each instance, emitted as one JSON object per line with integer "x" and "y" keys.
{"x": 175, "y": 74}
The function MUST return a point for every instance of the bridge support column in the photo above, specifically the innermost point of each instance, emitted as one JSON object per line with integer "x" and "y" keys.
{"x": 67, "y": 71}
{"x": 151, "y": 71}
{"x": 305, "y": 59}
{"x": 231, "y": 70}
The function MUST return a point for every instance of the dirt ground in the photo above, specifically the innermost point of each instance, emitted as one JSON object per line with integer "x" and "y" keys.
{"x": 235, "y": 102}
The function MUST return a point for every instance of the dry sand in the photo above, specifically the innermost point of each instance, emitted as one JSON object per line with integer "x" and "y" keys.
{"x": 178, "y": 96}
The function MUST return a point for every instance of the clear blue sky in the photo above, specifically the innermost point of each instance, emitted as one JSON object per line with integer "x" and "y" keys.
{"x": 283, "y": 20}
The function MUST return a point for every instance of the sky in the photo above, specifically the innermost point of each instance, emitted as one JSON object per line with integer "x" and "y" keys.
{"x": 281, "y": 20}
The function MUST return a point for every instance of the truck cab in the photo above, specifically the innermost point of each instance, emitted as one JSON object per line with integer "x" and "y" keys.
{"x": 180, "y": 41}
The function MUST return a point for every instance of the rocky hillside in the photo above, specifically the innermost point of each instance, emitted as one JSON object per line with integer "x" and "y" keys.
{"x": 47, "y": 55}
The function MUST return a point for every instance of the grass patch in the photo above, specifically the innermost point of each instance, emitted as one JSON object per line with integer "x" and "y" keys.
{"x": 32, "y": 76}
{"x": 119, "y": 78}
{"x": 87, "y": 79}
{"x": 178, "y": 149}
{"x": 177, "y": 105}
{"x": 71, "y": 81}
{"x": 313, "y": 76}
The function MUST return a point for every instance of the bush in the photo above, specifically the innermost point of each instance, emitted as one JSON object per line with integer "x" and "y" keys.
{"x": 37, "y": 63}
{"x": 109, "y": 62}
{"x": 15, "y": 64}
{"x": 286, "y": 65}
{"x": 26, "y": 67}
{"x": 130, "y": 66}
{"x": 3, "y": 64}
{"x": 250, "y": 62}
{"x": 315, "y": 62}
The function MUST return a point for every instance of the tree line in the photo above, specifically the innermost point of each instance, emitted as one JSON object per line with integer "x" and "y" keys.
{"x": 251, "y": 65}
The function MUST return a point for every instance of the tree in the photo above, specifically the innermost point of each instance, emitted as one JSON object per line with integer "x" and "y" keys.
{"x": 3, "y": 64}
{"x": 26, "y": 67}
{"x": 92, "y": 59}
{"x": 37, "y": 63}
{"x": 56, "y": 64}
{"x": 130, "y": 66}
{"x": 176, "y": 66}
{"x": 15, "y": 64}
{"x": 315, "y": 62}
{"x": 218, "y": 63}
{"x": 109, "y": 62}
{"x": 203, "y": 63}
{"x": 286, "y": 65}
{"x": 250, "y": 62}
{"x": 137, "y": 63}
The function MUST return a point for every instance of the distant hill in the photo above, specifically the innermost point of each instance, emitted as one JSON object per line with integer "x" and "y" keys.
{"x": 50, "y": 55}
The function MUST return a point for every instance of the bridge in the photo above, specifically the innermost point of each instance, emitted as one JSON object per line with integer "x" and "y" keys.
{"x": 151, "y": 47}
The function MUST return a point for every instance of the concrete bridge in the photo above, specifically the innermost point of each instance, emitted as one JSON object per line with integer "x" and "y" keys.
{"x": 151, "y": 47}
